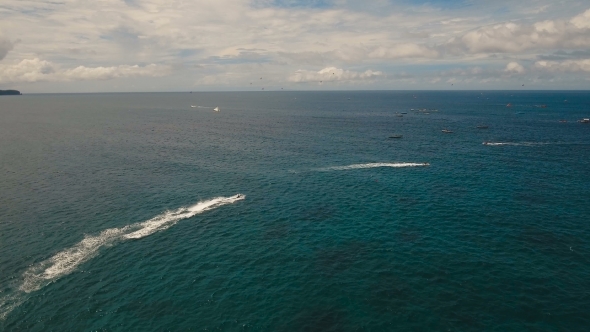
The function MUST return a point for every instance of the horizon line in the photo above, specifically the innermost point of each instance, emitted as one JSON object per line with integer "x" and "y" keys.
{"x": 259, "y": 91}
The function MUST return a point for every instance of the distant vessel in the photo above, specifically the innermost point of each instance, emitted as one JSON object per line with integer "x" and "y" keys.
{"x": 404, "y": 112}
{"x": 194, "y": 106}
{"x": 509, "y": 105}
{"x": 216, "y": 109}
{"x": 482, "y": 127}
{"x": 584, "y": 121}
{"x": 396, "y": 136}
{"x": 446, "y": 131}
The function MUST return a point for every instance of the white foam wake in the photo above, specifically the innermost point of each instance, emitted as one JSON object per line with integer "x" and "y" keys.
{"x": 515, "y": 143}
{"x": 373, "y": 165}
{"x": 67, "y": 260}
{"x": 164, "y": 221}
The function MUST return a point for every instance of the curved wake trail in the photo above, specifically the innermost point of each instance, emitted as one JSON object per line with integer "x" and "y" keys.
{"x": 67, "y": 260}
{"x": 373, "y": 165}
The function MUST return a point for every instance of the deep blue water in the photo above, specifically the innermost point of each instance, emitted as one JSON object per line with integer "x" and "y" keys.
{"x": 487, "y": 237}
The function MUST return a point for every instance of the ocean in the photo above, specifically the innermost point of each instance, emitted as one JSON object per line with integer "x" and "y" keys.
{"x": 295, "y": 211}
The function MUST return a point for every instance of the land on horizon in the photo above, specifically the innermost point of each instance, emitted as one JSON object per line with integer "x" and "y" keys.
{"x": 10, "y": 93}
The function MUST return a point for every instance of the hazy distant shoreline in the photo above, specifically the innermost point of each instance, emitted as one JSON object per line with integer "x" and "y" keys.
{"x": 10, "y": 93}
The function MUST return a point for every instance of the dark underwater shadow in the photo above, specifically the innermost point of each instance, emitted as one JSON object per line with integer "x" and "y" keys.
{"x": 277, "y": 230}
{"x": 320, "y": 320}
{"x": 409, "y": 235}
{"x": 334, "y": 261}
{"x": 318, "y": 213}
{"x": 557, "y": 243}
{"x": 389, "y": 293}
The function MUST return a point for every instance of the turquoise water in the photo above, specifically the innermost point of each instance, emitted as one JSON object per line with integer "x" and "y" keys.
{"x": 120, "y": 211}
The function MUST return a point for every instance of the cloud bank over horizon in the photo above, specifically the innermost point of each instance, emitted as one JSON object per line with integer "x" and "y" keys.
{"x": 175, "y": 45}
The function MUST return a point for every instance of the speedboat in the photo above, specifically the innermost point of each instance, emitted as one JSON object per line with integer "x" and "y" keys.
{"x": 193, "y": 106}
{"x": 584, "y": 121}
{"x": 396, "y": 136}
{"x": 446, "y": 131}
{"x": 216, "y": 109}
{"x": 482, "y": 127}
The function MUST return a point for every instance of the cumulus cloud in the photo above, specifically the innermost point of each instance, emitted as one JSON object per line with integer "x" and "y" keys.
{"x": 572, "y": 66}
{"x": 512, "y": 37}
{"x": 582, "y": 21}
{"x": 332, "y": 74}
{"x": 37, "y": 70}
{"x": 514, "y": 67}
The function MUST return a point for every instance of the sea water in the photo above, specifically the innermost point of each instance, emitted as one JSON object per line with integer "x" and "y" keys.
{"x": 295, "y": 211}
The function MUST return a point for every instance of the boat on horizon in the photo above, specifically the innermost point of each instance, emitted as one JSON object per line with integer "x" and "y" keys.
{"x": 482, "y": 127}
{"x": 446, "y": 131}
{"x": 584, "y": 121}
{"x": 194, "y": 106}
{"x": 216, "y": 109}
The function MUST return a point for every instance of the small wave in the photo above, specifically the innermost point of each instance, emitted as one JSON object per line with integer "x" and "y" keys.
{"x": 8, "y": 303}
{"x": 66, "y": 261}
{"x": 373, "y": 165}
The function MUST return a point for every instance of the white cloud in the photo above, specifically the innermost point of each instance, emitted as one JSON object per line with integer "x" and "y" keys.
{"x": 28, "y": 70}
{"x": 401, "y": 51}
{"x": 572, "y": 66}
{"x": 514, "y": 67}
{"x": 332, "y": 74}
{"x": 36, "y": 70}
{"x": 512, "y": 37}
{"x": 107, "y": 73}
{"x": 582, "y": 21}
{"x": 232, "y": 40}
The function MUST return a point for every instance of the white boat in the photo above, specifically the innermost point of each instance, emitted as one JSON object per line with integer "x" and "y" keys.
{"x": 193, "y": 106}
{"x": 585, "y": 121}
{"x": 446, "y": 131}
{"x": 216, "y": 109}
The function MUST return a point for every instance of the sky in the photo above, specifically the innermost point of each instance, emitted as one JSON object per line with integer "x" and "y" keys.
{"x": 55, "y": 46}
